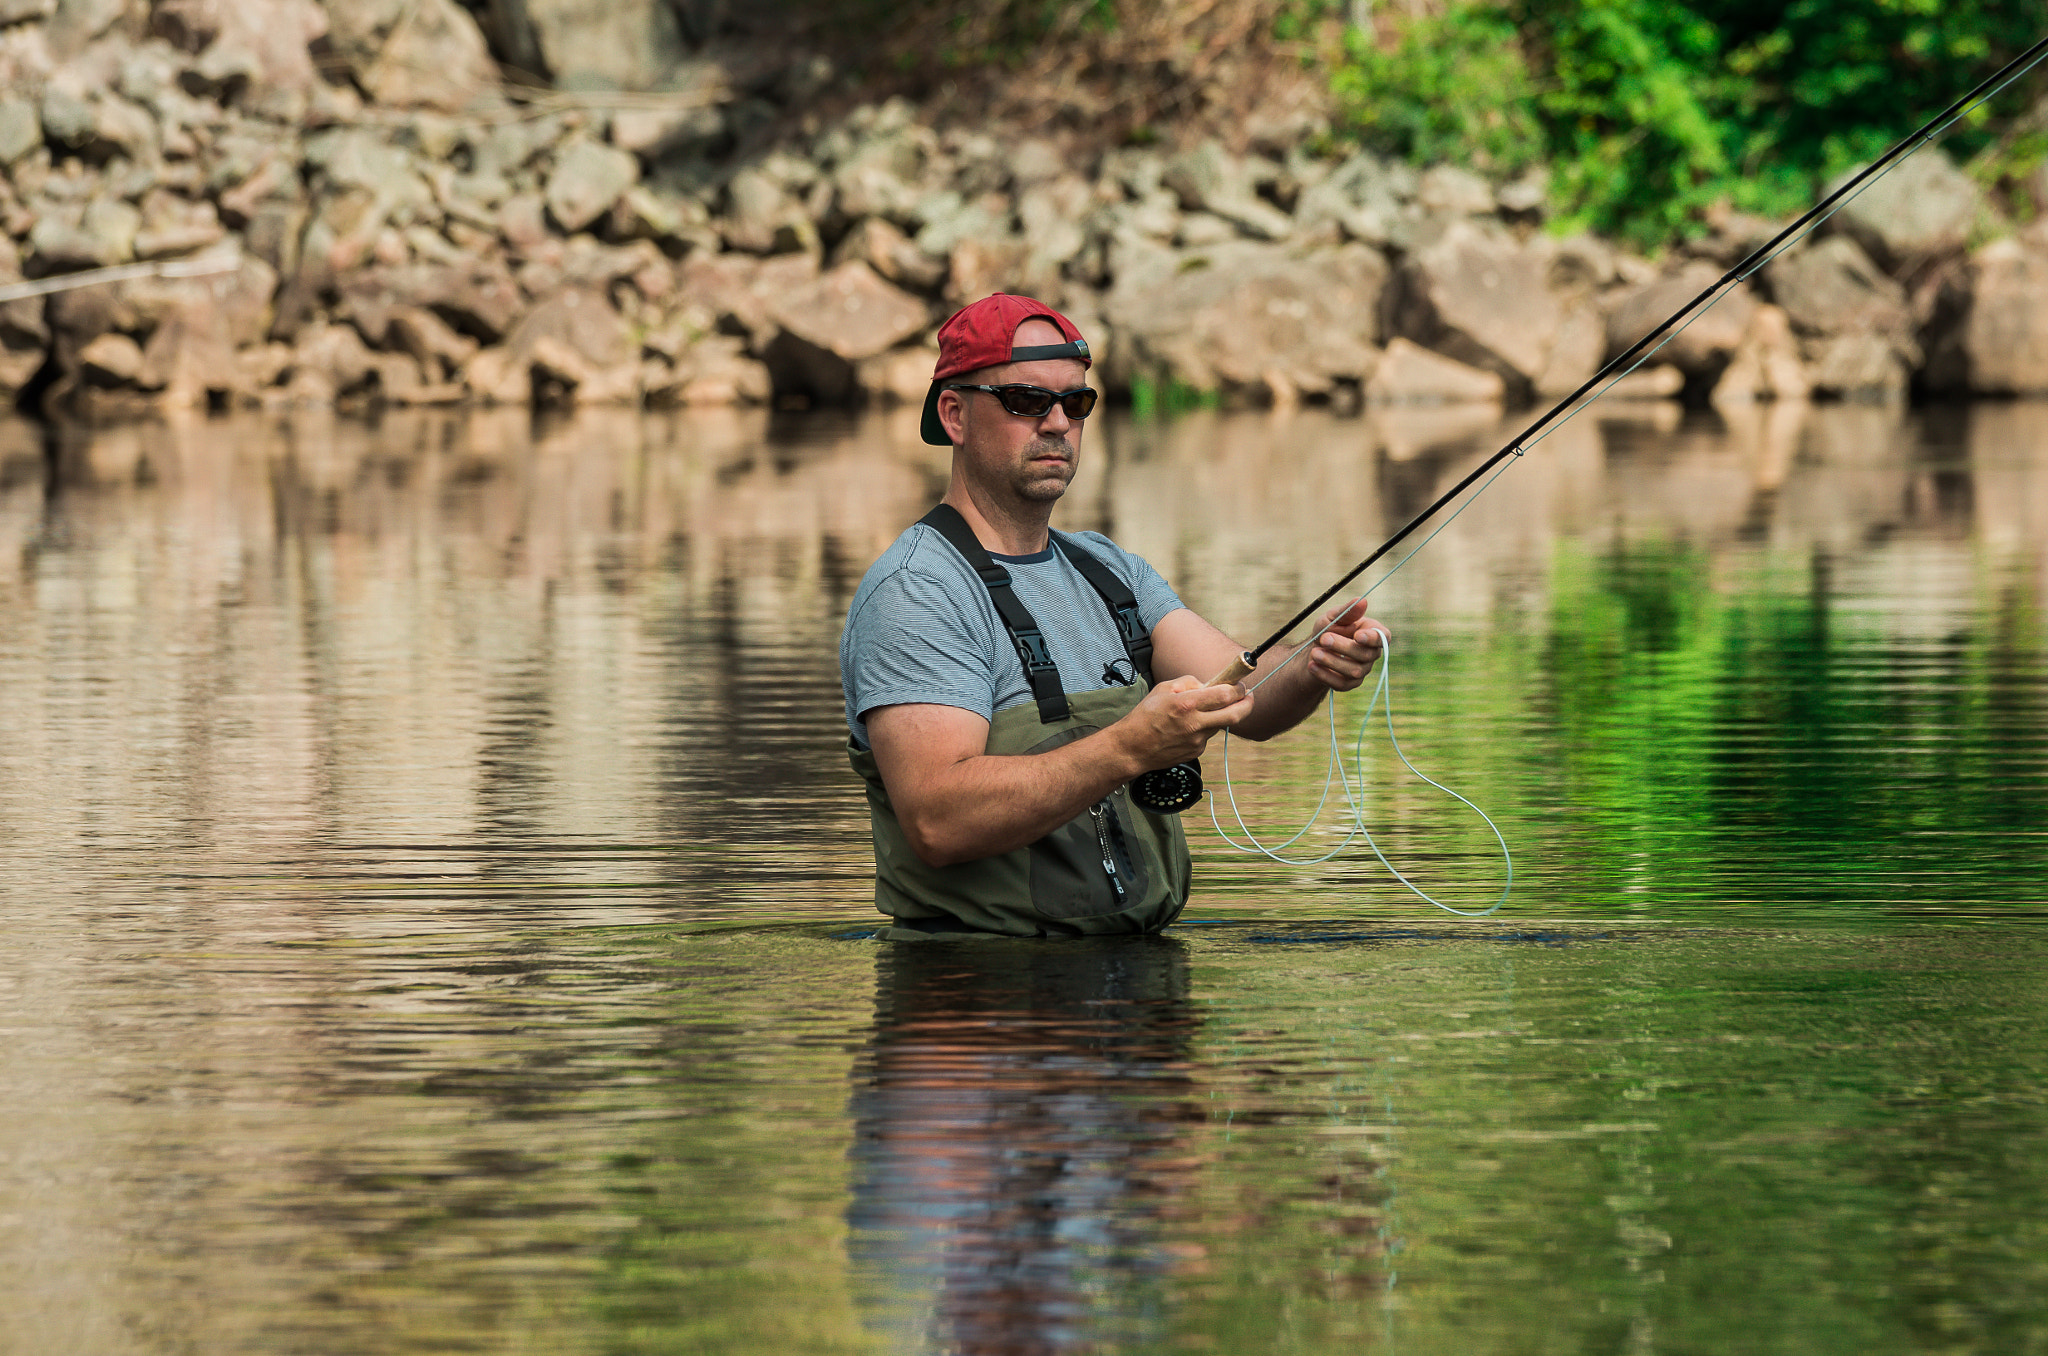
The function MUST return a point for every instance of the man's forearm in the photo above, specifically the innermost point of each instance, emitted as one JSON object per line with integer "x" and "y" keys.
{"x": 1289, "y": 698}
{"x": 995, "y": 803}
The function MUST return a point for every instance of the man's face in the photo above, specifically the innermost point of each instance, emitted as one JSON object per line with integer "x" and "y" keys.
{"x": 1031, "y": 459}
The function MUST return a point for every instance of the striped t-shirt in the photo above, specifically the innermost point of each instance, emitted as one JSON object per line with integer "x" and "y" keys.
{"x": 922, "y": 628}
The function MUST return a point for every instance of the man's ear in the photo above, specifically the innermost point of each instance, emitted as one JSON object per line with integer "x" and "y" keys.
{"x": 952, "y": 408}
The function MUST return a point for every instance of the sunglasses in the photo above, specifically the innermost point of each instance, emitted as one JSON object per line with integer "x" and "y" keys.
{"x": 1035, "y": 402}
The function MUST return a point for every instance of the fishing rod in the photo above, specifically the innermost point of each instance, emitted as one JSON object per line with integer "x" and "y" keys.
{"x": 1643, "y": 347}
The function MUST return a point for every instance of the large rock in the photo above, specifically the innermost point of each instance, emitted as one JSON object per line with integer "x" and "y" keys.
{"x": 588, "y": 178}
{"x": 1832, "y": 287}
{"x": 21, "y": 129}
{"x": 829, "y": 324}
{"x": 1993, "y": 334}
{"x": 1923, "y": 208}
{"x": 1483, "y": 297}
{"x": 877, "y": 243}
{"x": 593, "y": 44}
{"x": 479, "y": 299}
{"x": 572, "y": 346}
{"x": 1704, "y": 347}
{"x": 1208, "y": 178}
{"x": 415, "y": 53}
{"x": 1248, "y": 316}
{"x": 1766, "y": 365}
{"x": 273, "y": 35}
{"x": 1363, "y": 196}
{"x": 1409, "y": 374}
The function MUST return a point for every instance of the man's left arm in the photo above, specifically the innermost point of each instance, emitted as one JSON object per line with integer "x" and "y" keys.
{"x": 1337, "y": 661}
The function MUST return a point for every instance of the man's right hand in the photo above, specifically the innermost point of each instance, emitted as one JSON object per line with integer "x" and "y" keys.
{"x": 1176, "y": 720}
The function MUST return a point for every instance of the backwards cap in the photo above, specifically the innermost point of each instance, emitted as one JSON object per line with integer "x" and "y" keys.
{"x": 982, "y": 335}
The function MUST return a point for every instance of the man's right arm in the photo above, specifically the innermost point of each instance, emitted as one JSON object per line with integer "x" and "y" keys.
{"x": 957, "y": 803}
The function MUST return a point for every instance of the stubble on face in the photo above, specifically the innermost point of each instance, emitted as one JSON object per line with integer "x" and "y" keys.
{"x": 1040, "y": 479}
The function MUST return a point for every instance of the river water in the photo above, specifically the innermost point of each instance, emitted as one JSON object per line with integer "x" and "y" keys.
{"x": 438, "y": 905}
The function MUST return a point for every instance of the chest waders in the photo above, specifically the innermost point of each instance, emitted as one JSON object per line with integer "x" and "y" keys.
{"x": 1116, "y": 867}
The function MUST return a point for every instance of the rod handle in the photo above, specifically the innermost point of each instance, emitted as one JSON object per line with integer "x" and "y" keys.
{"x": 1239, "y": 668}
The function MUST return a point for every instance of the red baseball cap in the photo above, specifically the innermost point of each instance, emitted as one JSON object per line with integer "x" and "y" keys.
{"x": 984, "y": 335}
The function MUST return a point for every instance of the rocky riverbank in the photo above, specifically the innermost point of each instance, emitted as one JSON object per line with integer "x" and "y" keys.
{"x": 366, "y": 212}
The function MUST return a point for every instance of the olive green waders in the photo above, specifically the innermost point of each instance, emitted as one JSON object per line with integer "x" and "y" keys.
{"x": 1114, "y": 868}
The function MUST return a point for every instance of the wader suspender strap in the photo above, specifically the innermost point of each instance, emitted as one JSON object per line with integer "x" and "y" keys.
{"x": 1123, "y": 604}
{"x": 1039, "y": 670}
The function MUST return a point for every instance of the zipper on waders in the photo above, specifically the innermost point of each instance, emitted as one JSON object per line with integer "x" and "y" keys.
{"x": 1099, "y": 810}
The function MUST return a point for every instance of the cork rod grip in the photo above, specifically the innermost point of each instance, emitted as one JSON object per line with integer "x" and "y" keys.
{"x": 1239, "y": 668}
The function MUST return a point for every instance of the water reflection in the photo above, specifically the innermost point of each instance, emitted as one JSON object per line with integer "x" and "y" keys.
{"x": 1021, "y": 1126}
{"x": 592, "y": 659}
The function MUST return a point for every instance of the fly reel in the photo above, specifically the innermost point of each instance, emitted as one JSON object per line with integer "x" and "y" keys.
{"x": 1169, "y": 790}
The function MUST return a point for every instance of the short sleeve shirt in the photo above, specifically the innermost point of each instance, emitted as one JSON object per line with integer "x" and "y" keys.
{"x": 921, "y": 628}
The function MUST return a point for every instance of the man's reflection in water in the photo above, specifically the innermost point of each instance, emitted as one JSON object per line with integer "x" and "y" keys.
{"x": 1019, "y": 1125}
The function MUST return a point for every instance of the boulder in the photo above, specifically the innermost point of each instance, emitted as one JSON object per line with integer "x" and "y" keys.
{"x": 719, "y": 288}
{"x": 1766, "y": 363}
{"x": 269, "y": 38}
{"x": 656, "y": 132}
{"x": 763, "y": 217}
{"x": 876, "y": 242}
{"x": 849, "y": 312}
{"x": 1446, "y": 188}
{"x": 1483, "y": 297}
{"x": 981, "y": 267}
{"x": 713, "y": 371}
{"x": 1209, "y": 179}
{"x": 829, "y": 323}
{"x": 431, "y": 341}
{"x": 594, "y": 44}
{"x": 110, "y": 360}
{"x": 415, "y": 53}
{"x": 900, "y": 377}
{"x": 102, "y": 233}
{"x": 880, "y": 175}
{"x": 1703, "y": 348}
{"x": 479, "y": 299}
{"x": 1661, "y": 382}
{"x": 571, "y": 347}
{"x": 175, "y": 225}
{"x": 1857, "y": 367}
{"x": 328, "y": 363}
{"x": 21, "y": 129}
{"x": 587, "y": 180}
{"x": 1248, "y": 316}
{"x": 1409, "y": 374}
{"x": 1991, "y": 331}
{"x": 190, "y": 357}
{"x": 1363, "y": 196}
{"x": 26, "y": 11}
{"x": 1923, "y": 208}
{"x": 1831, "y": 287}
{"x": 24, "y": 343}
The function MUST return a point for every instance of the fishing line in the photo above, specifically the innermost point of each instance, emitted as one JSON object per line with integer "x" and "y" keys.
{"x": 1599, "y": 384}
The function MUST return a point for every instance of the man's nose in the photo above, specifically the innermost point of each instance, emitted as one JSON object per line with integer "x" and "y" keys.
{"x": 1055, "y": 419}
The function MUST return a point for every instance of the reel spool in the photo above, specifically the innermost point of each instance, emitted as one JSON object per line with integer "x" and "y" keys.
{"x": 1169, "y": 790}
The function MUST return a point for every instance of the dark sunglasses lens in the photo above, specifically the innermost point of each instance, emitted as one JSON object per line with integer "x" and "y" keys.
{"x": 1035, "y": 402}
{"x": 1026, "y": 402}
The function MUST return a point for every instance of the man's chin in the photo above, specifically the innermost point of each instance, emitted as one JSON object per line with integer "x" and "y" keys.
{"x": 1044, "y": 491}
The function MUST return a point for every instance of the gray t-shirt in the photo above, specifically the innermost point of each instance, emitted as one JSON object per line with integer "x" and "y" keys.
{"x": 922, "y": 628}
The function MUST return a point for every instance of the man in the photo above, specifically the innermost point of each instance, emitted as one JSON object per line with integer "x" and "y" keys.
{"x": 997, "y": 688}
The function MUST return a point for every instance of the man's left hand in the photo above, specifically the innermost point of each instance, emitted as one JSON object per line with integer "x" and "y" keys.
{"x": 1343, "y": 654}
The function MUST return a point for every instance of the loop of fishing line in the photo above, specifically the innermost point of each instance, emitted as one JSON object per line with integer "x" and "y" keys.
{"x": 1382, "y": 699}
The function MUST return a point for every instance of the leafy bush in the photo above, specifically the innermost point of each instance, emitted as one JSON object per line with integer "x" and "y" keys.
{"x": 1648, "y": 111}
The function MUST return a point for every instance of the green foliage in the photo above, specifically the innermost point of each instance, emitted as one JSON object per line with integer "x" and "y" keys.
{"x": 1649, "y": 111}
